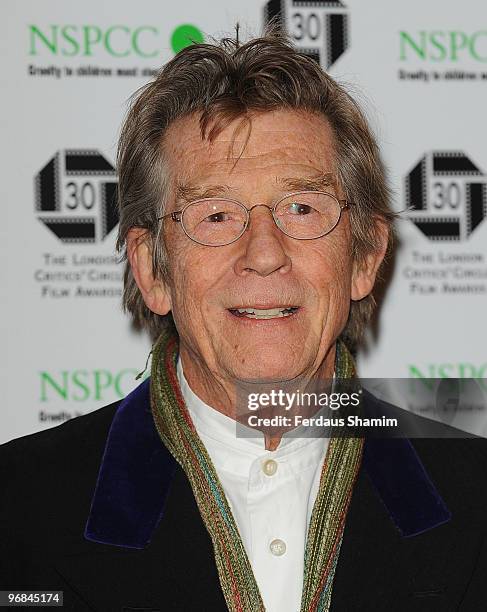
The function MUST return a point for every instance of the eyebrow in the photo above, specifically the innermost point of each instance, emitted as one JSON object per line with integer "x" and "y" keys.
{"x": 189, "y": 193}
{"x": 309, "y": 184}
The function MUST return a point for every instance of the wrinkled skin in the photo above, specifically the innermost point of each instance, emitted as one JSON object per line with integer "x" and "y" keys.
{"x": 264, "y": 268}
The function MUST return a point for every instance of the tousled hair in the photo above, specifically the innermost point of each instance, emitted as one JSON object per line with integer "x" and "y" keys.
{"x": 222, "y": 82}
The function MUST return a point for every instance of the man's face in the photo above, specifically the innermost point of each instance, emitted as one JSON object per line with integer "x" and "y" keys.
{"x": 265, "y": 268}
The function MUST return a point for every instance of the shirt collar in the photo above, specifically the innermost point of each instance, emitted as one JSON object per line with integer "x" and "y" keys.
{"x": 236, "y": 452}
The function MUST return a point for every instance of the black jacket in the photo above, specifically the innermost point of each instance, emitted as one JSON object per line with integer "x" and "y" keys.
{"x": 98, "y": 508}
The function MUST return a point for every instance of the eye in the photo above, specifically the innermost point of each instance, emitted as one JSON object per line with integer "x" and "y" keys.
{"x": 217, "y": 217}
{"x": 296, "y": 208}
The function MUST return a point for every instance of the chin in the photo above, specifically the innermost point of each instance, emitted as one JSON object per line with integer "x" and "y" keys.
{"x": 265, "y": 368}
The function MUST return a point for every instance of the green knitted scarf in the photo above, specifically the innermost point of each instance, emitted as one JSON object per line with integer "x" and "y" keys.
{"x": 340, "y": 469}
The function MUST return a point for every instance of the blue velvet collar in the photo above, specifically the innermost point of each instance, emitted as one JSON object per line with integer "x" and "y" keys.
{"x": 137, "y": 470}
{"x": 134, "y": 478}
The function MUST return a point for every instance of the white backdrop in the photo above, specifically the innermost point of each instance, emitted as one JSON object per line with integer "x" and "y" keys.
{"x": 420, "y": 71}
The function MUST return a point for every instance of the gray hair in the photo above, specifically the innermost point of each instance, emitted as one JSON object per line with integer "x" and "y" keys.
{"x": 222, "y": 82}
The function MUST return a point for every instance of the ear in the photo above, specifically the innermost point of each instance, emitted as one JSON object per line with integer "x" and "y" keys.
{"x": 365, "y": 272}
{"x": 154, "y": 291}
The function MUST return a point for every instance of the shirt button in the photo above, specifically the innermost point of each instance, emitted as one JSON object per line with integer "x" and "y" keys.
{"x": 278, "y": 547}
{"x": 269, "y": 467}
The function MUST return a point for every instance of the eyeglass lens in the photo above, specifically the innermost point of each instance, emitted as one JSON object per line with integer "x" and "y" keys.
{"x": 218, "y": 221}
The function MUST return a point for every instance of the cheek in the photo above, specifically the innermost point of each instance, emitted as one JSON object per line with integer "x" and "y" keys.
{"x": 332, "y": 269}
{"x": 194, "y": 272}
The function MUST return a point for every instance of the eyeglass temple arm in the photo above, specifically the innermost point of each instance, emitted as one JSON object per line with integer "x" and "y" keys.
{"x": 175, "y": 216}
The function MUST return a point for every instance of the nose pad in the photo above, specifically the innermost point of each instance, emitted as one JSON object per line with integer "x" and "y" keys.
{"x": 269, "y": 209}
{"x": 263, "y": 227}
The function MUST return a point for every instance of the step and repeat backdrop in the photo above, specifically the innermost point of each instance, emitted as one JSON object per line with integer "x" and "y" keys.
{"x": 68, "y": 69}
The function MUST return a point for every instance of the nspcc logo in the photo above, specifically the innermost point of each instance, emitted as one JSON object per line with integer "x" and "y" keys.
{"x": 446, "y": 194}
{"x": 443, "y": 45}
{"x": 90, "y": 40}
{"x": 75, "y": 196}
{"x": 318, "y": 28}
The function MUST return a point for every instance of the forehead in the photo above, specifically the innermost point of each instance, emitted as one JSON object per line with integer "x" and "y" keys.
{"x": 274, "y": 146}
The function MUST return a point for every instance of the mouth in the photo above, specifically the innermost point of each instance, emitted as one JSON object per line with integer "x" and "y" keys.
{"x": 278, "y": 312}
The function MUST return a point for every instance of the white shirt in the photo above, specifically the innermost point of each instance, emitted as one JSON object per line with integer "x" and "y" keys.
{"x": 271, "y": 501}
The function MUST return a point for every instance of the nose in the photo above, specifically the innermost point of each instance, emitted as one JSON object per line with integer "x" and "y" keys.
{"x": 263, "y": 245}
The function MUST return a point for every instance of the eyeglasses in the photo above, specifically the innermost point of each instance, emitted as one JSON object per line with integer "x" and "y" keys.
{"x": 304, "y": 215}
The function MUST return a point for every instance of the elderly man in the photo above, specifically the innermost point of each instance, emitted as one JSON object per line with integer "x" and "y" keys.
{"x": 254, "y": 216}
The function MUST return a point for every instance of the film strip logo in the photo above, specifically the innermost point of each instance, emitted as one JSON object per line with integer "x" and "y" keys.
{"x": 76, "y": 196}
{"x": 318, "y": 28}
{"x": 446, "y": 195}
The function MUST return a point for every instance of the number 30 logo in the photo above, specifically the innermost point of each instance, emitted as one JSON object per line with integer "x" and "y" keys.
{"x": 446, "y": 195}
{"x": 319, "y": 28}
{"x": 75, "y": 194}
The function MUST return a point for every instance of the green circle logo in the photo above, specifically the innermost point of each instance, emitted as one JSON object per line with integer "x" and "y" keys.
{"x": 185, "y": 35}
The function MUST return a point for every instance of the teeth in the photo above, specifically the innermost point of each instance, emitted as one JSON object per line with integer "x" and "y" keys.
{"x": 257, "y": 311}
{"x": 269, "y": 313}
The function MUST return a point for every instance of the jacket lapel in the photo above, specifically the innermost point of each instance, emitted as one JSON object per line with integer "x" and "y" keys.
{"x": 131, "y": 559}
{"x": 399, "y": 545}
{"x": 175, "y": 571}
{"x": 134, "y": 478}
{"x": 397, "y": 528}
